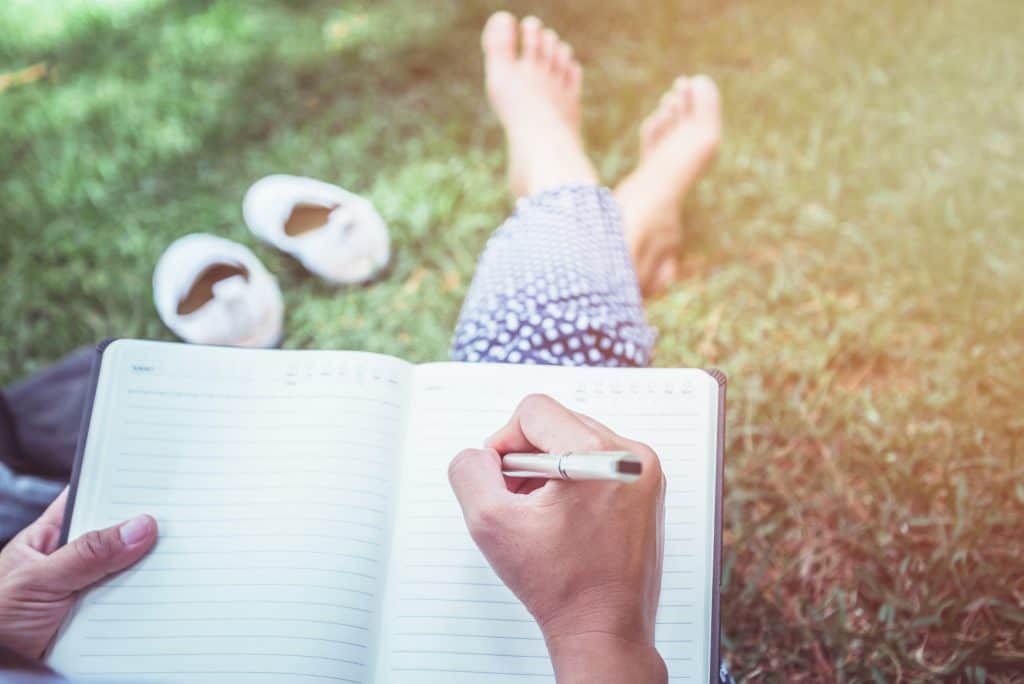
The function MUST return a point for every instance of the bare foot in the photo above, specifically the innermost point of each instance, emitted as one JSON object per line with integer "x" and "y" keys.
{"x": 676, "y": 143}
{"x": 533, "y": 84}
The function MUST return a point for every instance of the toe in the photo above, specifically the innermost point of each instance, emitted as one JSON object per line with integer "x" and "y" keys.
{"x": 665, "y": 276}
{"x": 669, "y": 107}
{"x": 499, "y": 36}
{"x": 574, "y": 78}
{"x": 706, "y": 98}
{"x": 549, "y": 47}
{"x": 683, "y": 91}
{"x": 678, "y": 106}
{"x": 531, "y": 28}
{"x": 649, "y": 128}
{"x": 656, "y": 123}
{"x": 563, "y": 60}
{"x": 664, "y": 117}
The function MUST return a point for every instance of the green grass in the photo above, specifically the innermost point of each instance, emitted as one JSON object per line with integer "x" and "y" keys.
{"x": 855, "y": 259}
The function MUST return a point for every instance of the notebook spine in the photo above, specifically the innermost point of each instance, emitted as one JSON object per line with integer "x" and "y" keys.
{"x": 83, "y": 429}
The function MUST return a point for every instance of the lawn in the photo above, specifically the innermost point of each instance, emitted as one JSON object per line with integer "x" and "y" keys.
{"x": 854, "y": 261}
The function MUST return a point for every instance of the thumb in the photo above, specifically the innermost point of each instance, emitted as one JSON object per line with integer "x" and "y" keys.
{"x": 475, "y": 476}
{"x": 97, "y": 554}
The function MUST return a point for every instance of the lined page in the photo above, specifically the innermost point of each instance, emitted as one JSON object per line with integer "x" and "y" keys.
{"x": 447, "y": 614}
{"x": 271, "y": 475}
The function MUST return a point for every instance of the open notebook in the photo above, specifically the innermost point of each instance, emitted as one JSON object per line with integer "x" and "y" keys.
{"x": 307, "y": 528}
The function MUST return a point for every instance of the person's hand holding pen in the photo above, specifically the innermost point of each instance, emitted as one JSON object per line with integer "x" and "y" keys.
{"x": 584, "y": 557}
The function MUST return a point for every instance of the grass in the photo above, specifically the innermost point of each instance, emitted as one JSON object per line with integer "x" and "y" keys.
{"x": 855, "y": 260}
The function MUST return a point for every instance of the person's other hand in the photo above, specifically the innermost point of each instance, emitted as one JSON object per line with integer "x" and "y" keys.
{"x": 39, "y": 581}
{"x": 584, "y": 557}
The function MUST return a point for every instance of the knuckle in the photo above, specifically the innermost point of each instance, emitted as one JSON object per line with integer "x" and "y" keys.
{"x": 592, "y": 441}
{"x": 459, "y": 461}
{"x": 93, "y": 546}
{"x": 485, "y": 523}
{"x": 536, "y": 402}
{"x": 18, "y": 579}
{"x": 457, "y": 464}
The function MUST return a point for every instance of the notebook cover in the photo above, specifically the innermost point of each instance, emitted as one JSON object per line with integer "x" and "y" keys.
{"x": 716, "y": 633}
{"x": 76, "y": 469}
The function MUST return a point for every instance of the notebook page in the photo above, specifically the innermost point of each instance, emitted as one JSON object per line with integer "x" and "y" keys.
{"x": 446, "y": 614}
{"x": 271, "y": 475}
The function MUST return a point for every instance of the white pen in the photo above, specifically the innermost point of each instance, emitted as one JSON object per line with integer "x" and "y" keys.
{"x": 621, "y": 466}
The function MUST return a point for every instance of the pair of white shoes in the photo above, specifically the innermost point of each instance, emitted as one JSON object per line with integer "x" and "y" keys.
{"x": 209, "y": 290}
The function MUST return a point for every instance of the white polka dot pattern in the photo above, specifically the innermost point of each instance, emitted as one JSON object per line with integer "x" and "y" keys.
{"x": 555, "y": 285}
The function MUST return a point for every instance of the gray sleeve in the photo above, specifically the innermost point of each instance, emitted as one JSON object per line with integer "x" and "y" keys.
{"x": 23, "y": 499}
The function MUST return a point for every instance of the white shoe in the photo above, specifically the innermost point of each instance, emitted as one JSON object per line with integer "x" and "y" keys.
{"x": 209, "y": 290}
{"x": 335, "y": 234}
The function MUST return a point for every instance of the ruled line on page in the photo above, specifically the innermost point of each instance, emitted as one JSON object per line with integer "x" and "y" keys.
{"x": 215, "y": 409}
{"x": 448, "y": 566}
{"x": 277, "y": 426}
{"x": 452, "y": 670}
{"x": 246, "y": 654}
{"x": 228, "y": 618}
{"x": 453, "y": 583}
{"x": 209, "y": 411}
{"x": 315, "y": 487}
{"x": 236, "y": 585}
{"x": 441, "y": 516}
{"x": 153, "y": 673}
{"x": 467, "y": 410}
{"x": 282, "y": 396}
{"x": 264, "y": 535}
{"x": 471, "y": 636}
{"x": 450, "y": 600}
{"x": 279, "y": 471}
{"x": 236, "y": 568}
{"x": 288, "y": 637}
{"x": 426, "y": 651}
{"x": 247, "y": 602}
{"x": 244, "y": 459}
{"x": 445, "y": 616}
{"x": 206, "y": 552}
{"x": 248, "y": 503}
{"x": 289, "y": 440}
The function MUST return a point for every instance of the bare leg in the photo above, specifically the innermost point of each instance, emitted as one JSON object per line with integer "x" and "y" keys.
{"x": 533, "y": 84}
{"x": 555, "y": 283}
{"x": 676, "y": 143}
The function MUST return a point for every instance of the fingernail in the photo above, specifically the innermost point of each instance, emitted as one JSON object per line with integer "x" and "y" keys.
{"x": 135, "y": 530}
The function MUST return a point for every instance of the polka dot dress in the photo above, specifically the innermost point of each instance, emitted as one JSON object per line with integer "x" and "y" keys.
{"x": 555, "y": 285}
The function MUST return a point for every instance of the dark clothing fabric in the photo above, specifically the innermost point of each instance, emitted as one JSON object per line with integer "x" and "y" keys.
{"x": 39, "y": 421}
{"x": 17, "y": 669}
{"x": 40, "y": 417}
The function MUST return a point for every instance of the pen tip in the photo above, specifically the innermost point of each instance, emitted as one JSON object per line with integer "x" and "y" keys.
{"x": 630, "y": 467}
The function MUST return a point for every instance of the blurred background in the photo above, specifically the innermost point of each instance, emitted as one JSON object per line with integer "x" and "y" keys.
{"x": 854, "y": 260}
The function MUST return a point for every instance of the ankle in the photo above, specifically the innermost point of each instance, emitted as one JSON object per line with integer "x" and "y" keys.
{"x": 546, "y": 162}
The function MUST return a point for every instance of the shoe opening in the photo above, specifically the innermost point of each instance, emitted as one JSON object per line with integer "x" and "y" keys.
{"x": 307, "y": 217}
{"x": 202, "y": 287}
